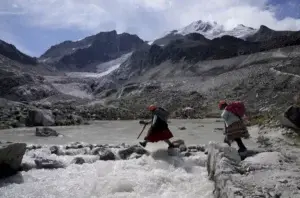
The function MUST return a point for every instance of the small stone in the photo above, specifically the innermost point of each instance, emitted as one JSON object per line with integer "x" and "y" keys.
{"x": 187, "y": 154}
{"x": 182, "y": 148}
{"x": 284, "y": 181}
{"x": 182, "y": 128}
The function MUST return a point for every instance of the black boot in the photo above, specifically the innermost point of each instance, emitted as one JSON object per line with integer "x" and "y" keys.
{"x": 171, "y": 146}
{"x": 143, "y": 144}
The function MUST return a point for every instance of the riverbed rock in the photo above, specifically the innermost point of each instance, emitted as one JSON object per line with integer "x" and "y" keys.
{"x": 75, "y": 145}
{"x": 267, "y": 174}
{"x": 182, "y": 128}
{"x": 78, "y": 160}
{"x": 103, "y": 153}
{"x": 125, "y": 153}
{"x": 48, "y": 164}
{"x": 11, "y": 155}
{"x": 45, "y": 132}
{"x": 107, "y": 155}
{"x": 39, "y": 117}
{"x": 56, "y": 150}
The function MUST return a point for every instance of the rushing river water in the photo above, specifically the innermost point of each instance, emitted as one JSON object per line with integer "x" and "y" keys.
{"x": 157, "y": 175}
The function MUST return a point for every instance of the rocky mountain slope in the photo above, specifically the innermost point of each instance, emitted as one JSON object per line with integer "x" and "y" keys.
{"x": 87, "y": 53}
{"x": 209, "y": 30}
{"x": 10, "y": 51}
{"x": 187, "y": 76}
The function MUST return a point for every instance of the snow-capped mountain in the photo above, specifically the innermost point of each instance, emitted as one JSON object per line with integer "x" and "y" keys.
{"x": 210, "y": 30}
{"x": 213, "y": 30}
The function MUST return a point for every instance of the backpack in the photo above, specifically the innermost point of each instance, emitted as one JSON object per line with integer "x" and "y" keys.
{"x": 237, "y": 108}
{"x": 162, "y": 114}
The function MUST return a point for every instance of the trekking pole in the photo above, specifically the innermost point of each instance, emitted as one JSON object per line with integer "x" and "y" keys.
{"x": 142, "y": 131}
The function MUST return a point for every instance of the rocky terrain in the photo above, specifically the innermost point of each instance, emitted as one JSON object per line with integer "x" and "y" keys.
{"x": 115, "y": 76}
{"x": 271, "y": 171}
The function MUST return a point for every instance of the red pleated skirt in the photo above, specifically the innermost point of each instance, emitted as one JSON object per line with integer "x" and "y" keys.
{"x": 159, "y": 135}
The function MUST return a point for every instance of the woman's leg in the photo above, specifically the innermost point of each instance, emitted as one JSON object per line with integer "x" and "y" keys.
{"x": 227, "y": 141}
{"x": 240, "y": 144}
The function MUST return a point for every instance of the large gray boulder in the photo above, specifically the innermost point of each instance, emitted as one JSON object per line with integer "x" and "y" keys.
{"x": 291, "y": 117}
{"x": 39, "y": 117}
{"x": 266, "y": 174}
{"x": 11, "y": 155}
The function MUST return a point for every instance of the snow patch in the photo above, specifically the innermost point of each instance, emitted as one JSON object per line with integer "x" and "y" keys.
{"x": 213, "y": 30}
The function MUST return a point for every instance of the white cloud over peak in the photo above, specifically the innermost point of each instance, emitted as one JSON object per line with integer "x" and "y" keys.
{"x": 147, "y": 18}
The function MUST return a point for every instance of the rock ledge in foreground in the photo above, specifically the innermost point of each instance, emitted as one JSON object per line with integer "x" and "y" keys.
{"x": 261, "y": 175}
{"x": 11, "y": 155}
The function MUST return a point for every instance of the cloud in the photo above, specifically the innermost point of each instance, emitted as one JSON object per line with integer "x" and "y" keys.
{"x": 12, "y": 39}
{"x": 147, "y": 18}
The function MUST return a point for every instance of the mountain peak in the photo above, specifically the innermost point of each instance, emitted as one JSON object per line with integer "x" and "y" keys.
{"x": 201, "y": 27}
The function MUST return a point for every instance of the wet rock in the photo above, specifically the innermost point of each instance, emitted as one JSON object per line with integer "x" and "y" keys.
{"x": 78, "y": 160}
{"x": 107, "y": 155}
{"x": 187, "y": 154}
{"x": 125, "y": 153}
{"x": 182, "y": 148}
{"x": 75, "y": 145}
{"x": 104, "y": 153}
{"x": 27, "y": 166}
{"x": 81, "y": 151}
{"x": 56, "y": 150}
{"x": 11, "y": 155}
{"x": 182, "y": 128}
{"x": 33, "y": 147}
{"x": 192, "y": 147}
{"x": 45, "y": 132}
{"x": 135, "y": 156}
{"x": 48, "y": 164}
{"x": 201, "y": 148}
{"x": 38, "y": 117}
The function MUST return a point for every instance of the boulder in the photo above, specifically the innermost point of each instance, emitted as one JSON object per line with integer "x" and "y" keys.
{"x": 45, "y": 132}
{"x": 126, "y": 153}
{"x": 56, "y": 150}
{"x": 11, "y": 155}
{"x": 78, "y": 160}
{"x": 104, "y": 153}
{"x": 291, "y": 117}
{"x": 38, "y": 117}
{"x": 48, "y": 164}
{"x": 107, "y": 155}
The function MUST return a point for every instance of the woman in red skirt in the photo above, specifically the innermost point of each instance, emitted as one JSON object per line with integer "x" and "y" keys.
{"x": 159, "y": 130}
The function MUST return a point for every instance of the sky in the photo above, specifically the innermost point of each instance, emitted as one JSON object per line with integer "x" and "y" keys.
{"x": 33, "y": 26}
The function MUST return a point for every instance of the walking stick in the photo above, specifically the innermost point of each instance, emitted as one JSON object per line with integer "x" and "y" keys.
{"x": 142, "y": 131}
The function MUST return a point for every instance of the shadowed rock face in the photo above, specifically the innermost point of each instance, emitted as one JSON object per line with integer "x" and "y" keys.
{"x": 102, "y": 47}
{"x": 11, "y": 52}
{"x": 265, "y": 34}
{"x": 11, "y": 156}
